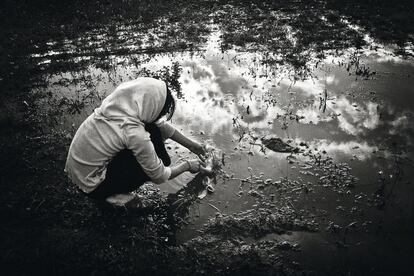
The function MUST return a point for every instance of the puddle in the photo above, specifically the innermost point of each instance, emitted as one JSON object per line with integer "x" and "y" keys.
{"x": 351, "y": 120}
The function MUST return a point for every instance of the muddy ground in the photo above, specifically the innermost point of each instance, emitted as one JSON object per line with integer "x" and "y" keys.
{"x": 49, "y": 227}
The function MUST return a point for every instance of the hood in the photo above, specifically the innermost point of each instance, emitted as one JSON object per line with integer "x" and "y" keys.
{"x": 142, "y": 99}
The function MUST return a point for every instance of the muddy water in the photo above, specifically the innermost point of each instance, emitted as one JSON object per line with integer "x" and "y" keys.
{"x": 361, "y": 123}
{"x": 367, "y": 123}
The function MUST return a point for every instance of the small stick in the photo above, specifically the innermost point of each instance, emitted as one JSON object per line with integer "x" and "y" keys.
{"x": 297, "y": 189}
{"x": 214, "y": 207}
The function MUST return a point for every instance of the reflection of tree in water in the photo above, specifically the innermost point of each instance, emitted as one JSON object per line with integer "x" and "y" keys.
{"x": 168, "y": 74}
{"x": 286, "y": 32}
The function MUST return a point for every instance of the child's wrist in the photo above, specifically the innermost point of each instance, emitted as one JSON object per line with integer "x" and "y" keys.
{"x": 187, "y": 165}
{"x": 198, "y": 148}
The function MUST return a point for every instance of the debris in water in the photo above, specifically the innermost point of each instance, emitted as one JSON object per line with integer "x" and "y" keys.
{"x": 214, "y": 161}
{"x": 276, "y": 144}
{"x": 202, "y": 194}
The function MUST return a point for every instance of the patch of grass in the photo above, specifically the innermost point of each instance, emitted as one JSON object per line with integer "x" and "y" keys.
{"x": 258, "y": 222}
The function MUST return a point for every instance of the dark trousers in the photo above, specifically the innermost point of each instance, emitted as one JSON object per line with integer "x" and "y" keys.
{"x": 124, "y": 174}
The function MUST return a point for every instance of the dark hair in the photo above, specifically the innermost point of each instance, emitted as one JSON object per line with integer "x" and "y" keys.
{"x": 169, "y": 106}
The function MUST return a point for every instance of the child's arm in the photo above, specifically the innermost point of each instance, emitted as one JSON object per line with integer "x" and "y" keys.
{"x": 193, "y": 166}
{"x": 190, "y": 144}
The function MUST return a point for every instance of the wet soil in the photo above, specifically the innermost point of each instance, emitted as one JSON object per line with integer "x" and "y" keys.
{"x": 311, "y": 101}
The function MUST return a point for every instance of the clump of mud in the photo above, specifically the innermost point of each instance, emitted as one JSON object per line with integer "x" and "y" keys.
{"x": 258, "y": 222}
{"x": 211, "y": 255}
{"x": 276, "y": 144}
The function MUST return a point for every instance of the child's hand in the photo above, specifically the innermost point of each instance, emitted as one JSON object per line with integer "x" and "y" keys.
{"x": 201, "y": 151}
{"x": 195, "y": 165}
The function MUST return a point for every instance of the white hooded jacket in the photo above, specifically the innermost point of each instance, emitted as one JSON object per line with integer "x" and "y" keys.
{"x": 118, "y": 124}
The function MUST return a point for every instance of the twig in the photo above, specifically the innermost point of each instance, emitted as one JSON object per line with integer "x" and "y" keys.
{"x": 214, "y": 207}
{"x": 296, "y": 189}
{"x": 291, "y": 205}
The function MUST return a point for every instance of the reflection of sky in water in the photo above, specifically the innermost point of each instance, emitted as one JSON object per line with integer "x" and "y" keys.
{"x": 226, "y": 92}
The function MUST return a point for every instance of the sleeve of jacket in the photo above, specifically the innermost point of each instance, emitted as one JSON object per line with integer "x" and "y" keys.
{"x": 167, "y": 130}
{"x": 138, "y": 140}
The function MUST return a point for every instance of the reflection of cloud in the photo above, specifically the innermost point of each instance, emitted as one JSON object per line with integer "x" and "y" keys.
{"x": 353, "y": 119}
{"x": 216, "y": 113}
{"x": 220, "y": 86}
{"x": 214, "y": 95}
{"x": 401, "y": 123}
{"x": 311, "y": 87}
{"x": 383, "y": 54}
{"x": 312, "y": 115}
{"x": 345, "y": 125}
{"x": 218, "y": 82}
{"x": 255, "y": 118}
{"x": 331, "y": 80}
{"x": 195, "y": 112}
{"x": 360, "y": 149}
{"x": 372, "y": 118}
{"x": 230, "y": 84}
{"x": 199, "y": 72}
